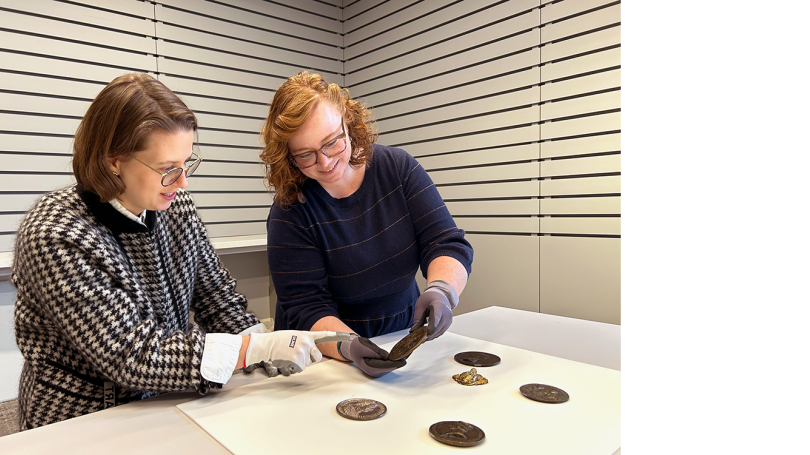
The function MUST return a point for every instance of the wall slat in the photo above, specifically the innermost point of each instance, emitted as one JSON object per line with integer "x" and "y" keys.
{"x": 78, "y": 52}
{"x": 487, "y": 173}
{"x": 248, "y": 27}
{"x": 581, "y": 206}
{"x": 524, "y": 225}
{"x": 527, "y": 152}
{"x": 581, "y": 146}
{"x": 581, "y": 85}
{"x": 526, "y": 40}
{"x": 36, "y": 124}
{"x": 581, "y": 225}
{"x": 494, "y": 208}
{"x": 242, "y": 155}
{"x": 514, "y": 81}
{"x": 581, "y": 125}
{"x": 235, "y": 229}
{"x": 501, "y": 138}
{"x": 581, "y": 166}
{"x": 450, "y": 38}
{"x": 352, "y": 9}
{"x": 526, "y": 188}
{"x": 597, "y": 61}
{"x": 216, "y": 105}
{"x": 580, "y": 186}
{"x": 233, "y": 199}
{"x": 420, "y": 86}
{"x": 53, "y": 28}
{"x": 46, "y": 67}
{"x": 264, "y": 15}
{"x": 216, "y": 92}
{"x": 389, "y": 15}
{"x": 33, "y": 183}
{"x": 205, "y": 183}
{"x": 560, "y": 10}
{"x": 500, "y": 120}
{"x": 449, "y": 113}
{"x": 584, "y": 43}
{"x": 581, "y": 105}
{"x": 218, "y": 215}
{"x": 250, "y": 125}
{"x": 26, "y": 162}
{"x": 25, "y": 143}
{"x": 579, "y": 24}
{"x": 229, "y": 46}
{"x": 95, "y": 16}
{"x": 6, "y": 242}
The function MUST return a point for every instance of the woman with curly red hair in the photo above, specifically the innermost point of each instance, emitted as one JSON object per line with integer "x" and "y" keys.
{"x": 353, "y": 221}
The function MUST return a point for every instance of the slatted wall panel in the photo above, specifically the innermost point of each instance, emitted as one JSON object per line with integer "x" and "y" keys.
{"x": 580, "y": 100}
{"x": 54, "y": 58}
{"x": 513, "y": 109}
{"x": 226, "y": 59}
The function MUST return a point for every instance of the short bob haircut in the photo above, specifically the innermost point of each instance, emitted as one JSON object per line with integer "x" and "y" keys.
{"x": 292, "y": 104}
{"x": 118, "y": 124}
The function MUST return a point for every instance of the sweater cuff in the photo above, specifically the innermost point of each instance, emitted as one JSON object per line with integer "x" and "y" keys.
{"x": 258, "y": 328}
{"x": 220, "y": 355}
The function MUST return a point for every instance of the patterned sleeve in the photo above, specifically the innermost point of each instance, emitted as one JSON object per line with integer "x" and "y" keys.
{"x": 437, "y": 232}
{"x": 218, "y": 308}
{"x": 77, "y": 292}
{"x": 298, "y": 270}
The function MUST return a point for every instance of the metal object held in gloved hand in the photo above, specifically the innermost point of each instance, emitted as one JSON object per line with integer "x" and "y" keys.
{"x": 370, "y": 358}
{"x": 436, "y": 306}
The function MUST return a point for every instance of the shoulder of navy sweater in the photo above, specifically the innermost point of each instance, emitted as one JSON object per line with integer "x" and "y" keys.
{"x": 394, "y": 159}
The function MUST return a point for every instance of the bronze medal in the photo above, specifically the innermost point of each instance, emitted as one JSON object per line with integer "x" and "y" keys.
{"x": 544, "y": 393}
{"x": 407, "y": 345}
{"x": 477, "y": 359}
{"x": 457, "y": 433}
{"x": 361, "y": 409}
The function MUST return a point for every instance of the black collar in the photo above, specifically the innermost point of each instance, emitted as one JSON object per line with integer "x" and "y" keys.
{"x": 109, "y": 216}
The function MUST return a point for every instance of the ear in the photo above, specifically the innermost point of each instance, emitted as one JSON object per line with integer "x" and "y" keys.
{"x": 114, "y": 164}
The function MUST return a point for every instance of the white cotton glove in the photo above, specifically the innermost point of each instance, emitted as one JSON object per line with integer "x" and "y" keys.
{"x": 288, "y": 351}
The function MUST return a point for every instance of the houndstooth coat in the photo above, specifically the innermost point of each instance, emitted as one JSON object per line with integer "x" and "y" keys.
{"x": 104, "y": 301}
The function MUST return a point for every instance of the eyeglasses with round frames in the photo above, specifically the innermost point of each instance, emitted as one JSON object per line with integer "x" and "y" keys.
{"x": 331, "y": 149}
{"x": 171, "y": 176}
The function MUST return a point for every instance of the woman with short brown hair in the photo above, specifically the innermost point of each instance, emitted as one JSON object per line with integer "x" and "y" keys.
{"x": 107, "y": 272}
{"x": 353, "y": 221}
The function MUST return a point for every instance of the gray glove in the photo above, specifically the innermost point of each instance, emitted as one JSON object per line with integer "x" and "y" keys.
{"x": 436, "y": 306}
{"x": 268, "y": 367}
{"x": 370, "y": 358}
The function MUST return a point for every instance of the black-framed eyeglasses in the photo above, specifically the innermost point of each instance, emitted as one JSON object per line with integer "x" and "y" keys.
{"x": 174, "y": 173}
{"x": 331, "y": 149}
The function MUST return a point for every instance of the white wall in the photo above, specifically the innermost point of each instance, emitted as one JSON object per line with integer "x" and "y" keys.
{"x": 10, "y": 358}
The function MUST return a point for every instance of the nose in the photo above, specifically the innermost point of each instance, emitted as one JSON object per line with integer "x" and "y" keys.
{"x": 182, "y": 181}
{"x": 324, "y": 159}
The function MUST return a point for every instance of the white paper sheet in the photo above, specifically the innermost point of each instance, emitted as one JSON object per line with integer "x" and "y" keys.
{"x": 297, "y": 414}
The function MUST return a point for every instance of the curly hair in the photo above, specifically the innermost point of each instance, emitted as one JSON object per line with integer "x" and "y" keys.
{"x": 291, "y": 105}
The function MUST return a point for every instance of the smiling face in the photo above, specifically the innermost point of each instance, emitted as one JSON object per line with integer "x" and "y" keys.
{"x": 164, "y": 150}
{"x": 321, "y": 127}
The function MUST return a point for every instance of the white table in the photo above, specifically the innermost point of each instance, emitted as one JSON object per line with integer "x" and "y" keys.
{"x": 157, "y": 426}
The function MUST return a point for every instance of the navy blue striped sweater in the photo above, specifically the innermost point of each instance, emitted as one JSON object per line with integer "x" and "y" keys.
{"x": 356, "y": 258}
